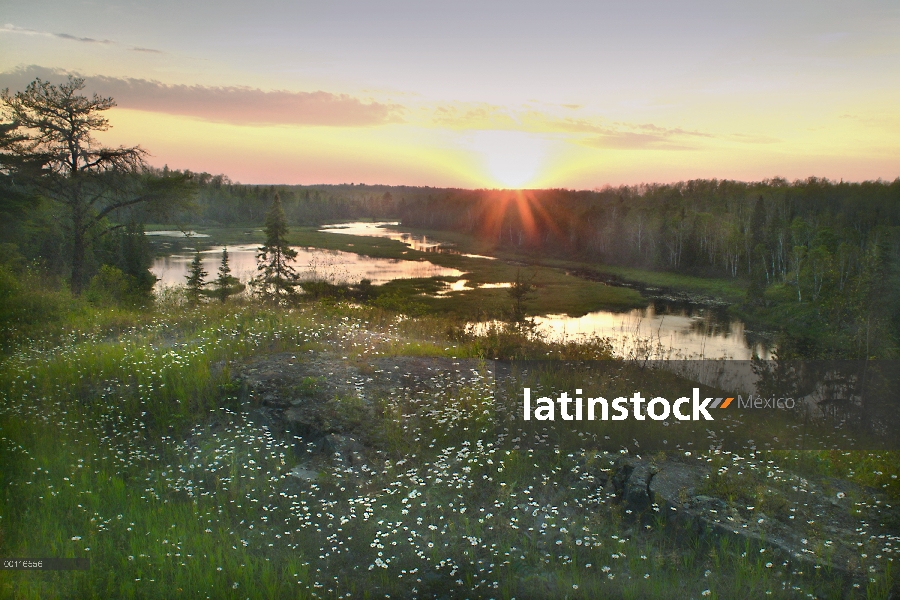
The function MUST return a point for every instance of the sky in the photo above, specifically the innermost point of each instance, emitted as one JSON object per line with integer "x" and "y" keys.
{"x": 484, "y": 94}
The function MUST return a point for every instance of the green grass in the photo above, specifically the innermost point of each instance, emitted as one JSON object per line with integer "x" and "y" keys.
{"x": 127, "y": 442}
{"x": 724, "y": 289}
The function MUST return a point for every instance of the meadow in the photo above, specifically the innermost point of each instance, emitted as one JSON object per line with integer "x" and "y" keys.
{"x": 131, "y": 437}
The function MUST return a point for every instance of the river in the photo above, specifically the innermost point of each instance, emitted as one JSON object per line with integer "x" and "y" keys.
{"x": 664, "y": 329}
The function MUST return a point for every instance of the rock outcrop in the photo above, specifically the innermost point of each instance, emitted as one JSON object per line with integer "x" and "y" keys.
{"x": 678, "y": 494}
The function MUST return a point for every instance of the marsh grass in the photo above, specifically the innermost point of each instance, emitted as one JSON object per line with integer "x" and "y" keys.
{"x": 557, "y": 291}
{"x": 125, "y": 440}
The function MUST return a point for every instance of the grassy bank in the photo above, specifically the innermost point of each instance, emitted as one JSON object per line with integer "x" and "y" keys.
{"x": 731, "y": 290}
{"x": 131, "y": 443}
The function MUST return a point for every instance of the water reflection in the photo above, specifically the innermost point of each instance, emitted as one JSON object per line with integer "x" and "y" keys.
{"x": 654, "y": 333}
{"x": 414, "y": 241}
{"x": 462, "y": 285}
{"x": 175, "y": 233}
{"x": 312, "y": 263}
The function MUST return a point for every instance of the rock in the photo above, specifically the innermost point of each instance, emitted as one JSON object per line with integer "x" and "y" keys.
{"x": 636, "y": 494}
{"x": 357, "y": 459}
{"x": 217, "y": 368}
{"x": 630, "y": 480}
{"x": 621, "y": 471}
{"x": 295, "y": 414}
{"x": 304, "y": 474}
{"x": 674, "y": 483}
{"x": 275, "y": 401}
{"x": 342, "y": 445}
{"x": 268, "y": 418}
{"x": 671, "y": 490}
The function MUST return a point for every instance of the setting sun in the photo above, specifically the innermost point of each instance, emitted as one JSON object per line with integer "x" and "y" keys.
{"x": 512, "y": 159}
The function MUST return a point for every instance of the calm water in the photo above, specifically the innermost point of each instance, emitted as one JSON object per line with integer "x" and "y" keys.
{"x": 414, "y": 241}
{"x": 312, "y": 263}
{"x": 661, "y": 331}
{"x": 665, "y": 329}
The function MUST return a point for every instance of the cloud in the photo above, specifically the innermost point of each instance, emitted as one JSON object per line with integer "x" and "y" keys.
{"x": 619, "y": 135}
{"x": 475, "y": 115}
{"x": 629, "y": 136}
{"x": 632, "y": 140}
{"x": 237, "y": 105}
{"x": 595, "y": 132}
{"x": 754, "y": 139}
{"x": 87, "y": 40}
{"x": 10, "y": 28}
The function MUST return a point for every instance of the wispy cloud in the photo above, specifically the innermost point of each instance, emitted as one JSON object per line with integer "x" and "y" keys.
{"x": 86, "y": 40}
{"x": 237, "y": 105}
{"x": 10, "y": 28}
{"x": 632, "y": 140}
{"x": 591, "y": 131}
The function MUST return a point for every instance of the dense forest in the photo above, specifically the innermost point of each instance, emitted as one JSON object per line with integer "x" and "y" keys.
{"x": 221, "y": 202}
{"x": 773, "y": 230}
{"x": 819, "y": 259}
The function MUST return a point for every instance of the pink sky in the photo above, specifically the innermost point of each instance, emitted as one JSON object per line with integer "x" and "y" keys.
{"x": 572, "y": 94}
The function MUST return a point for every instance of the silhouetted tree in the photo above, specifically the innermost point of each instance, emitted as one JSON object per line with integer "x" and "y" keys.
{"x": 277, "y": 278}
{"x": 91, "y": 182}
{"x": 195, "y": 279}
{"x": 226, "y": 284}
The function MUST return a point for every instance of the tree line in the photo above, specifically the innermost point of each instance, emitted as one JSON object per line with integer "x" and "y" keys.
{"x": 818, "y": 258}
{"x": 222, "y": 202}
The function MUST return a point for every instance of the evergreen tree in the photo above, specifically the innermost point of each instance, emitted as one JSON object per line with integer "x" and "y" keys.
{"x": 90, "y": 183}
{"x": 226, "y": 284}
{"x": 195, "y": 279}
{"x": 520, "y": 292}
{"x": 277, "y": 278}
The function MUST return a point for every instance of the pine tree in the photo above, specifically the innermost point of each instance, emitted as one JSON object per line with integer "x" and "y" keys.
{"x": 277, "y": 278}
{"x": 226, "y": 284}
{"x": 195, "y": 280}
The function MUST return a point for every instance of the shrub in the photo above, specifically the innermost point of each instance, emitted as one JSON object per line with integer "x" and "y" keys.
{"x": 112, "y": 287}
